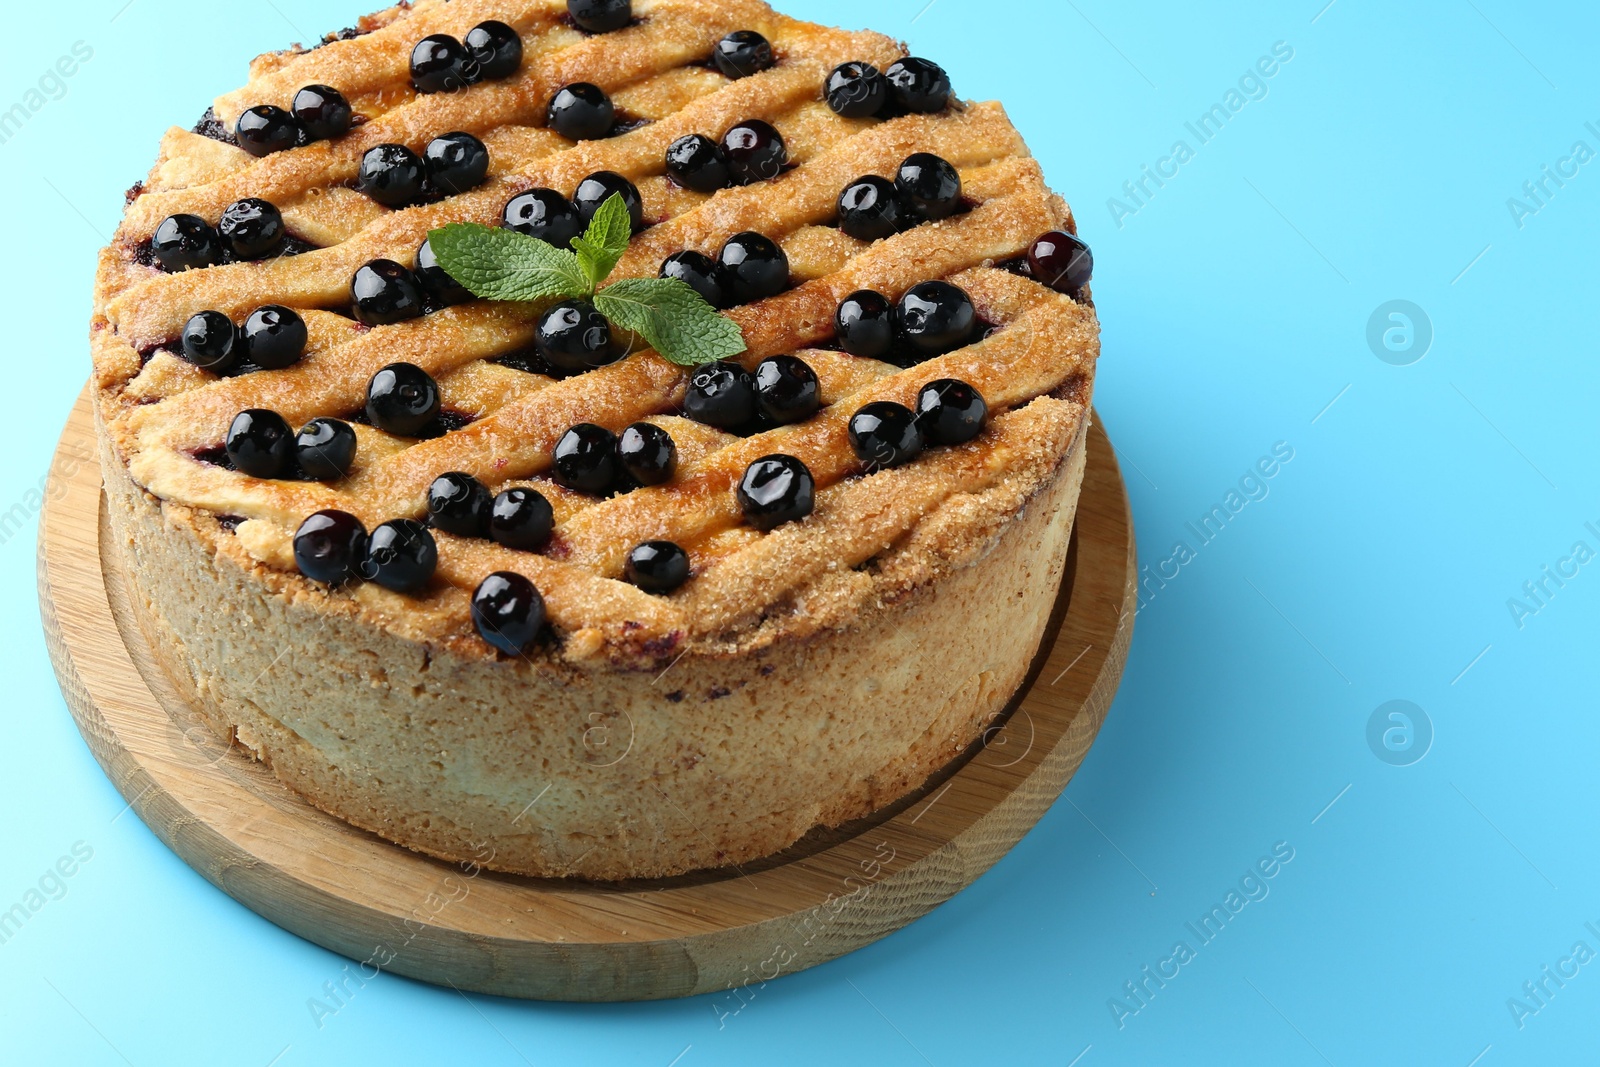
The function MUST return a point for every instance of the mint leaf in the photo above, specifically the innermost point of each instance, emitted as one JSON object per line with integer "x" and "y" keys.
{"x": 501, "y": 264}
{"x": 675, "y": 319}
{"x": 606, "y": 240}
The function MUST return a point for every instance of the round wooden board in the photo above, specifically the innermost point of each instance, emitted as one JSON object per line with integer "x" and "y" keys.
{"x": 386, "y": 907}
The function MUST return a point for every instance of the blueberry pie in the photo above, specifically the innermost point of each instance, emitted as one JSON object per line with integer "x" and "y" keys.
{"x": 496, "y": 578}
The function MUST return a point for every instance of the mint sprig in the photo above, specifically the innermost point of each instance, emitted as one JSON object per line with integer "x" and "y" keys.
{"x": 499, "y": 264}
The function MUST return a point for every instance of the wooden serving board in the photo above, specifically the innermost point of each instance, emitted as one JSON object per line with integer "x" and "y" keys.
{"x": 387, "y": 907}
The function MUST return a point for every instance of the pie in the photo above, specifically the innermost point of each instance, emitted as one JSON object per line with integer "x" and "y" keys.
{"x": 761, "y": 619}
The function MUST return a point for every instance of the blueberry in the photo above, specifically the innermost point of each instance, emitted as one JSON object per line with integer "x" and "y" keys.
{"x": 521, "y": 518}
{"x": 597, "y": 188}
{"x": 869, "y": 209}
{"x": 507, "y": 611}
{"x": 856, "y": 90}
{"x": 459, "y": 504}
{"x": 267, "y": 128}
{"x": 754, "y": 266}
{"x": 585, "y": 459}
{"x": 1062, "y": 261}
{"x": 755, "y": 151}
{"x": 401, "y": 555}
{"x": 323, "y": 111}
{"x": 274, "y": 337}
{"x": 325, "y": 448}
{"x": 496, "y": 48}
{"x": 929, "y": 186}
{"x": 251, "y": 227}
{"x": 182, "y": 242}
{"x": 385, "y": 292}
{"x": 393, "y": 175}
{"x": 742, "y": 53}
{"x": 259, "y": 443}
{"x": 787, "y": 389}
{"x": 581, "y": 112}
{"x": 545, "y": 214}
{"x": 211, "y": 342}
{"x": 950, "y": 412}
{"x": 721, "y": 394}
{"x": 657, "y": 566}
{"x": 919, "y": 85}
{"x": 934, "y": 318}
{"x": 647, "y": 453}
{"x": 600, "y": 16}
{"x": 402, "y": 399}
{"x": 436, "y": 281}
{"x": 701, "y": 273}
{"x": 699, "y": 163}
{"x": 865, "y": 321}
{"x": 574, "y": 337}
{"x": 774, "y": 490}
{"x": 885, "y": 434}
{"x": 441, "y": 64}
{"x": 330, "y": 546}
{"x": 456, "y": 162}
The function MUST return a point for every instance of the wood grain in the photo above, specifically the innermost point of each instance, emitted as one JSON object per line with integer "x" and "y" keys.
{"x": 393, "y": 909}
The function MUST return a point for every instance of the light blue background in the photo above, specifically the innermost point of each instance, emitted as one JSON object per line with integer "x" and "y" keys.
{"x": 1235, "y": 306}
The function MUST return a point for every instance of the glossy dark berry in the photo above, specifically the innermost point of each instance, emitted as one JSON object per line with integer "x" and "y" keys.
{"x": 885, "y": 434}
{"x": 274, "y": 337}
{"x": 545, "y": 214}
{"x": 392, "y": 174}
{"x": 251, "y": 228}
{"x": 436, "y": 281}
{"x": 775, "y": 490}
{"x": 459, "y": 504}
{"x": 856, "y": 90}
{"x": 323, "y": 111}
{"x": 330, "y": 546}
{"x": 754, "y": 267}
{"x": 787, "y": 389}
{"x": 259, "y": 443}
{"x": 496, "y": 48}
{"x": 521, "y": 518}
{"x": 574, "y": 337}
{"x": 456, "y": 162}
{"x": 597, "y": 188}
{"x": 600, "y": 16}
{"x": 401, "y": 555}
{"x": 755, "y": 151}
{"x": 657, "y": 566}
{"x": 1062, "y": 261}
{"x": 441, "y": 64}
{"x": 585, "y": 459}
{"x": 581, "y": 112}
{"x": 869, "y": 209}
{"x": 211, "y": 342}
{"x": 699, "y": 163}
{"x": 950, "y": 412}
{"x": 721, "y": 394}
{"x": 325, "y": 448}
{"x": 385, "y": 292}
{"x": 647, "y": 453}
{"x": 508, "y": 612}
{"x": 742, "y": 53}
{"x": 934, "y": 318}
{"x": 701, "y": 273}
{"x": 865, "y": 321}
{"x": 183, "y": 242}
{"x": 267, "y": 128}
{"x": 402, "y": 399}
{"x": 929, "y": 186}
{"x": 919, "y": 85}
